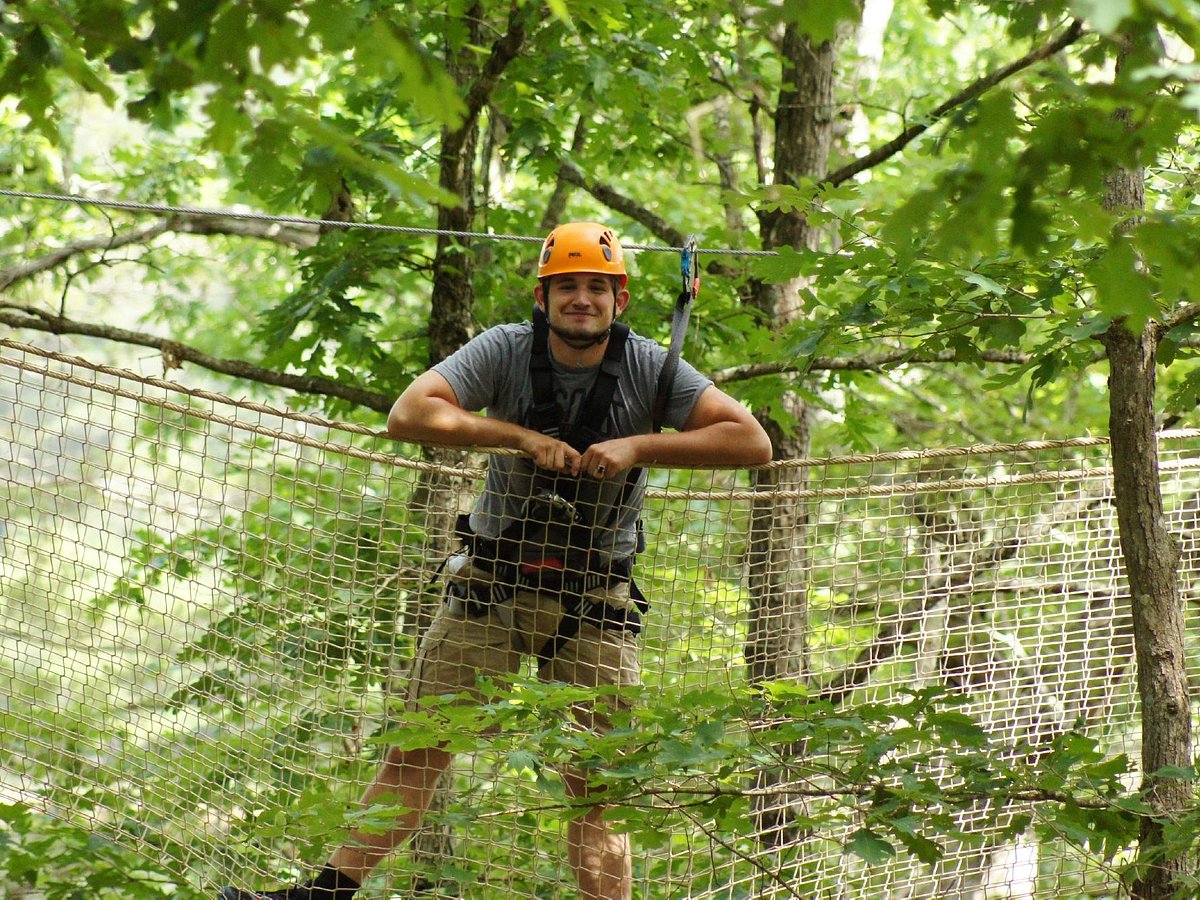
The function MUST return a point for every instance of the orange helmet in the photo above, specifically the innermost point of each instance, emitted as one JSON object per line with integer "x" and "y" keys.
{"x": 582, "y": 247}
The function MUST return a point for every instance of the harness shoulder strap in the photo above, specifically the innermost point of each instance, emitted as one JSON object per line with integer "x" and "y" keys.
{"x": 599, "y": 401}
{"x": 543, "y": 416}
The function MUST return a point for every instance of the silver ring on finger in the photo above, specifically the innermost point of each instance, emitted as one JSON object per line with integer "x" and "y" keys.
{"x": 600, "y": 470}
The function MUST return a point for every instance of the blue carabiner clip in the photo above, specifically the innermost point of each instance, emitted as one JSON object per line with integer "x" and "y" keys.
{"x": 689, "y": 266}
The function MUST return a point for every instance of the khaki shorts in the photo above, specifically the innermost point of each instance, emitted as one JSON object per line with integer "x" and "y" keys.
{"x": 460, "y": 647}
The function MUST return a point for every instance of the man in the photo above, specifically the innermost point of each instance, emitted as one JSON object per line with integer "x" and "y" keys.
{"x": 552, "y": 537}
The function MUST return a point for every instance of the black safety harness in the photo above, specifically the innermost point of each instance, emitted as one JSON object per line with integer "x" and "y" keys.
{"x": 549, "y": 547}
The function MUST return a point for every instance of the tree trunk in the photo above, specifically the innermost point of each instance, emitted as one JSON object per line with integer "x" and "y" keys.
{"x": 453, "y": 265}
{"x": 776, "y": 645}
{"x": 1151, "y": 565}
{"x": 449, "y": 328}
{"x": 1151, "y": 559}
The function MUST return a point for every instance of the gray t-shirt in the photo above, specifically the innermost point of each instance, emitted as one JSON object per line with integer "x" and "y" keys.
{"x": 492, "y": 372}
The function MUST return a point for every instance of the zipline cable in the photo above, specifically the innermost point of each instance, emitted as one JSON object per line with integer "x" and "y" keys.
{"x": 165, "y": 209}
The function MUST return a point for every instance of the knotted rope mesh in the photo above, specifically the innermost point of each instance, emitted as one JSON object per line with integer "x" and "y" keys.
{"x": 208, "y": 609}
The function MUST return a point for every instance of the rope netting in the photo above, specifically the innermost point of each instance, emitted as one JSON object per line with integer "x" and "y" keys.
{"x": 208, "y": 607}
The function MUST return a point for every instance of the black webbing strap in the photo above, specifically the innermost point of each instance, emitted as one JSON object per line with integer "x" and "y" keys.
{"x": 599, "y": 401}
{"x": 666, "y": 377}
{"x": 544, "y": 415}
{"x": 578, "y": 609}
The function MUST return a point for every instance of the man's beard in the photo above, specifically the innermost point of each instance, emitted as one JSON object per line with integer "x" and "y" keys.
{"x": 581, "y": 340}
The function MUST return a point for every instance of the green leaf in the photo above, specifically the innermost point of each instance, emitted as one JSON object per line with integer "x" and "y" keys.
{"x": 920, "y": 846}
{"x": 559, "y": 10}
{"x": 1105, "y": 16}
{"x": 1182, "y": 773}
{"x": 870, "y": 847}
{"x": 1088, "y": 328}
{"x": 1003, "y": 332}
{"x": 524, "y": 761}
{"x": 982, "y": 281}
{"x": 909, "y": 225}
{"x": 1109, "y": 769}
{"x": 959, "y": 728}
{"x": 788, "y": 264}
{"x": 820, "y": 20}
{"x": 1186, "y": 395}
{"x": 1122, "y": 289}
{"x": 125, "y": 60}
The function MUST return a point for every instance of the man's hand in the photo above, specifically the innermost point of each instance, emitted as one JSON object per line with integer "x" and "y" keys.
{"x": 609, "y": 459}
{"x": 550, "y": 453}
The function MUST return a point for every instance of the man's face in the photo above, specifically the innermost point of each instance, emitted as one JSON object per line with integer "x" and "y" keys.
{"x": 581, "y": 306}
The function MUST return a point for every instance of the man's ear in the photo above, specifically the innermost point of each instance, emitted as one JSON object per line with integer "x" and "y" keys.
{"x": 622, "y": 300}
{"x": 539, "y": 296}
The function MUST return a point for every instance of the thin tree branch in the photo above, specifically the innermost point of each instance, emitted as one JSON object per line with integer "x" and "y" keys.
{"x": 298, "y": 236}
{"x": 26, "y": 270}
{"x": 1073, "y": 32}
{"x": 26, "y": 317}
{"x": 615, "y": 200}
{"x": 291, "y": 235}
{"x": 504, "y": 50}
{"x": 866, "y": 363}
{"x": 656, "y": 224}
{"x": 1181, "y": 316}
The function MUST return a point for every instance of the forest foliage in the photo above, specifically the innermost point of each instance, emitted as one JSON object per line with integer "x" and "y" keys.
{"x": 984, "y": 238}
{"x": 964, "y": 249}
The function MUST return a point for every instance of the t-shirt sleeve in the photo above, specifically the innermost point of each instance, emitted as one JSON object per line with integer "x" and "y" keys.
{"x": 686, "y": 389}
{"x": 476, "y": 371}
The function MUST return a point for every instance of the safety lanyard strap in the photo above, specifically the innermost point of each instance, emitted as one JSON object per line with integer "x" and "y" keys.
{"x": 690, "y": 271}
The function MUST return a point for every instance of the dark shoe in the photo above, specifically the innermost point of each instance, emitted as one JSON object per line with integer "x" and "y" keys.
{"x": 328, "y": 883}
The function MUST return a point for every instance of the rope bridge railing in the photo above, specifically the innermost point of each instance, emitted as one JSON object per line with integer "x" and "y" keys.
{"x": 207, "y": 608}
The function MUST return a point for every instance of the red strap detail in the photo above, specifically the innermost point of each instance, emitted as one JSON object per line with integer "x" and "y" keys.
{"x": 546, "y": 562}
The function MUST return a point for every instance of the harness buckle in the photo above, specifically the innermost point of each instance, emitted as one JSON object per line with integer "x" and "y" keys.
{"x": 551, "y": 506}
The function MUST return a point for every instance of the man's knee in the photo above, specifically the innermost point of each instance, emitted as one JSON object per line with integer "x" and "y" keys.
{"x": 422, "y": 758}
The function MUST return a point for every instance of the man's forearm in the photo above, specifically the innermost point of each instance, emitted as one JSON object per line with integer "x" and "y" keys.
{"x": 435, "y": 421}
{"x": 719, "y": 444}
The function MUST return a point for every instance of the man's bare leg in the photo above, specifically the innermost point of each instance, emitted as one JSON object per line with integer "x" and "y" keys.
{"x": 406, "y": 778}
{"x": 599, "y": 856}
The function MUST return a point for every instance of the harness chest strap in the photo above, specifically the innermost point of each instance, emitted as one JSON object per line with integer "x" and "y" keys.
{"x": 544, "y": 415}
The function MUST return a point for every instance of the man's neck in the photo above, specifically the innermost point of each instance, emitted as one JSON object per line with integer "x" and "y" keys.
{"x": 577, "y": 357}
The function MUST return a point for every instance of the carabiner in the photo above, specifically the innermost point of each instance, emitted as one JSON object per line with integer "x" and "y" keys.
{"x": 689, "y": 266}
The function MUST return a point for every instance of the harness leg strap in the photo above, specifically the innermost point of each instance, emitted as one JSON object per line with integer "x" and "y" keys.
{"x": 578, "y": 610}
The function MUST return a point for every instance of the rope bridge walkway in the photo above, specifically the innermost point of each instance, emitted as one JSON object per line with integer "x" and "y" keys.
{"x": 207, "y": 608}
